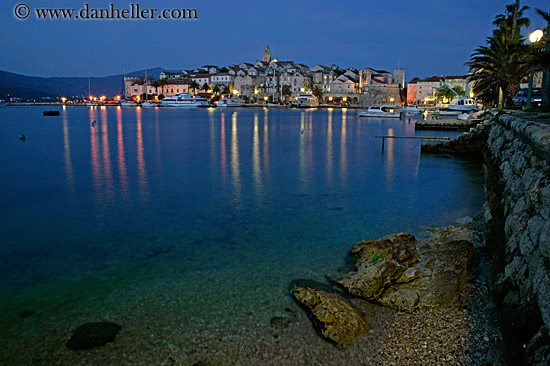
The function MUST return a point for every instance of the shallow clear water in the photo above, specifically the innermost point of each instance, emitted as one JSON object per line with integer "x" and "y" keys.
{"x": 255, "y": 197}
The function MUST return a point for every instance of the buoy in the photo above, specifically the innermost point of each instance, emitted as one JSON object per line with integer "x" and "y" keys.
{"x": 22, "y": 137}
{"x": 93, "y": 123}
{"x": 302, "y": 131}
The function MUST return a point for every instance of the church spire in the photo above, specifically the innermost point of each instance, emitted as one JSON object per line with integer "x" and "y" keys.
{"x": 266, "y": 56}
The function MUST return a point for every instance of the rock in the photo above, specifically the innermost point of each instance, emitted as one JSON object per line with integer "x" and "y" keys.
{"x": 403, "y": 274}
{"x": 280, "y": 322}
{"x": 333, "y": 317}
{"x": 379, "y": 264}
{"x": 91, "y": 335}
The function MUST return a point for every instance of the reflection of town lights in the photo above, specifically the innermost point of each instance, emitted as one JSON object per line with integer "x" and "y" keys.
{"x": 536, "y": 36}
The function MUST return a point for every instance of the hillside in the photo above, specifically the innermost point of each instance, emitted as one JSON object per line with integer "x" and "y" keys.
{"x": 34, "y": 87}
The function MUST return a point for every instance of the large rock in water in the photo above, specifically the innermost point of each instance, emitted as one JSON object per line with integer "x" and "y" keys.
{"x": 91, "y": 335}
{"x": 399, "y": 272}
{"x": 334, "y": 318}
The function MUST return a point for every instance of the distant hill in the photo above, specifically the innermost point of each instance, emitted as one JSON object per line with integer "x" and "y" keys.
{"x": 33, "y": 87}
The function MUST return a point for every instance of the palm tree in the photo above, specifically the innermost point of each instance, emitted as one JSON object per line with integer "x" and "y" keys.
{"x": 194, "y": 85}
{"x": 205, "y": 87}
{"x": 542, "y": 58}
{"x": 447, "y": 94}
{"x": 162, "y": 84}
{"x": 286, "y": 91}
{"x": 317, "y": 92}
{"x": 504, "y": 61}
{"x": 512, "y": 21}
{"x": 156, "y": 85}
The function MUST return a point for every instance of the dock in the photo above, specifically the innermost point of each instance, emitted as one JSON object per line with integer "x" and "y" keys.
{"x": 412, "y": 137}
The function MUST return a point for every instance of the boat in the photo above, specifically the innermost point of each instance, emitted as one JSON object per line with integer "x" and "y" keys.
{"x": 202, "y": 102}
{"x": 231, "y": 101}
{"x": 462, "y": 104}
{"x": 50, "y": 113}
{"x": 412, "y": 109}
{"x": 307, "y": 101}
{"x": 179, "y": 100}
{"x": 381, "y": 111}
{"x": 92, "y": 104}
{"x": 127, "y": 103}
{"x": 148, "y": 104}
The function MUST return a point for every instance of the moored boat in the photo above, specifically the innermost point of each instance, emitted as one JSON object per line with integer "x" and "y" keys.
{"x": 381, "y": 111}
{"x": 231, "y": 101}
{"x": 307, "y": 101}
{"x": 179, "y": 100}
{"x": 412, "y": 109}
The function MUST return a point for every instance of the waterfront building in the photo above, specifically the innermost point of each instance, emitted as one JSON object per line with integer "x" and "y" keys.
{"x": 343, "y": 84}
{"x": 426, "y": 89}
{"x": 201, "y": 79}
{"x": 222, "y": 79}
{"x": 411, "y": 93}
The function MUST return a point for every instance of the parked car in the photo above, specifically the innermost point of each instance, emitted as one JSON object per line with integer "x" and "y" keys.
{"x": 520, "y": 99}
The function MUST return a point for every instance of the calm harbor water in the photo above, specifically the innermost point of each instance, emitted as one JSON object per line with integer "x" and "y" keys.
{"x": 216, "y": 210}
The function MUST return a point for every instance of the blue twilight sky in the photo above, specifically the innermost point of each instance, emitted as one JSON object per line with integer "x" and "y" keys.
{"x": 431, "y": 37}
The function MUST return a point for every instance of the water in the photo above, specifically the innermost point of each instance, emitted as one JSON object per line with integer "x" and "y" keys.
{"x": 117, "y": 218}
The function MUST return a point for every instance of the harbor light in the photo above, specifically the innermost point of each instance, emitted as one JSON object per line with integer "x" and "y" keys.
{"x": 265, "y": 98}
{"x": 118, "y": 97}
{"x": 330, "y": 99}
{"x": 235, "y": 92}
{"x": 102, "y": 98}
{"x": 392, "y": 99}
{"x": 344, "y": 99}
{"x": 63, "y": 100}
{"x": 536, "y": 36}
{"x": 256, "y": 91}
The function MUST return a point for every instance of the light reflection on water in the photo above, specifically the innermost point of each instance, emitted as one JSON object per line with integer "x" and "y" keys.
{"x": 138, "y": 177}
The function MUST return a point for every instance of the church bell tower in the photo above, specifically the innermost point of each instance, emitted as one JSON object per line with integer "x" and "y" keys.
{"x": 266, "y": 56}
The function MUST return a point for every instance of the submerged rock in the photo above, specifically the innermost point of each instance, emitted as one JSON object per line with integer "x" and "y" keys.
{"x": 91, "y": 335}
{"x": 399, "y": 272}
{"x": 333, "y": 317}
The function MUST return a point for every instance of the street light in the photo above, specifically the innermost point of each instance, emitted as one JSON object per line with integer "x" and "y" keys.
{"x": 534, "y": 38}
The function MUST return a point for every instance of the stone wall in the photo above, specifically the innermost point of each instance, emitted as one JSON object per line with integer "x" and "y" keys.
{"x": 380, "y": 94}
{"x": 517, "y": 176}
{"x": 516, "y": 160}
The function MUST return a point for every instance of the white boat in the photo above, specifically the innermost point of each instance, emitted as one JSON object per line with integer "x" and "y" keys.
{"x": 412, "y": 109}
{"x": 92, "y": 104}
{"x": 201, "y": 102}
{"x": 381, "y": 111}
{"x": 179, "y": 100}
{"x": 307, "y": 101}
{"x": 462, "y": 104}
{"x": 150, "y": 104}
{"x": 231, "y": 101}
{"x": 127, "y": 103}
